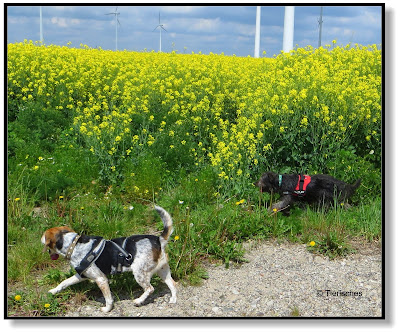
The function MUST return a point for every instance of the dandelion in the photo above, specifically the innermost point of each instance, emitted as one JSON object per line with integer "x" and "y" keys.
{"x": 312, "y": 243}
{"x": 35, "y": 168}
{"x": 47, "y": 305}
{"x": 17, "y": 199}
{"x": 17, "y": 298}
{"x": 176, "y": 238}
{"x": 275, "y": 210}
{"x": 61, "y": 197}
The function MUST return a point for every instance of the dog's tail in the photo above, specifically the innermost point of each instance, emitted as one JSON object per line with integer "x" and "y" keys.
{"x": 352, "y": 188}
{"x": 167, "y": 221}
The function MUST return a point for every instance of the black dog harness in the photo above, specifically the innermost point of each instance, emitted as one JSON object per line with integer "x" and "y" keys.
{"x": 91, "y": 256}
{"x": 302, "y": 183}
{"x": 123, "y": 257}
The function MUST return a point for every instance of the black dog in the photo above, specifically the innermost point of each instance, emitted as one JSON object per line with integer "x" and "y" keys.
{"x": 320, "y": 188}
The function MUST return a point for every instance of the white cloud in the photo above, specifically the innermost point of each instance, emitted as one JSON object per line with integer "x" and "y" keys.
{"x": 180, "y": 9}
{"x": 64, "y": 22}
{"x": 59, "y": 21}
{"x": 204, "y": 25}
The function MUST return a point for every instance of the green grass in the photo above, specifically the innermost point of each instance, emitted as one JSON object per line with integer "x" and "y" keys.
{"x": 205, "y": 227}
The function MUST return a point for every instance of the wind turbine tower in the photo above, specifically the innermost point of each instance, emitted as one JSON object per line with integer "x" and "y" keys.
{"x": 320, "y": 28}
{"x": 257, "y": 38}
{"x": 288, "y": 29}
{"x": 40, "y": 24}
{"x": 161, "y": 26}
{"x": 116, "y": 26}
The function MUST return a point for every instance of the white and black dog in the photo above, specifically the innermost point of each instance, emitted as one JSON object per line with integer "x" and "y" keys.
{"x": 94, "y": 257}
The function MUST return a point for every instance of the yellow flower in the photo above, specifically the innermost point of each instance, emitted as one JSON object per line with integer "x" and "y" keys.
{"x": 17, "y": 298}
{"x": 275, "y": 210}
{"x": 241, "y": 201}
{"x": 176, "y": 238}
{"x": 312, "y": 243}
{"x": 17, "y": 199}
{"x": 60, "y": 197}
{"x": 304, "y": 121}
{"x": 35, "y": 168}
{"x": 47, "y": 305}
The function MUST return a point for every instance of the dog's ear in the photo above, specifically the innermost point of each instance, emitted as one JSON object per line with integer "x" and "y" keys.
{"x": 271, "y": 177}
{"x": 46, "y": 243}
{"x": 260, "y": 181}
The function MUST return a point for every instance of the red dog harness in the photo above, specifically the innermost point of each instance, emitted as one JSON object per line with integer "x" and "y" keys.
{"x": 301, "y": 187}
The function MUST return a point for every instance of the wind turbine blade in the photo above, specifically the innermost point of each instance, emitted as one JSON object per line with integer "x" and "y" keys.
{"x": 116, "y": 8}
{"x": 155, "y": 28}
{"x": 159, "y": 18}
{"x": 163, "y": 28}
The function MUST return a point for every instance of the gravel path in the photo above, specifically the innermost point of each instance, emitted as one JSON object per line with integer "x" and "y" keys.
{"x": 278, "y": 280}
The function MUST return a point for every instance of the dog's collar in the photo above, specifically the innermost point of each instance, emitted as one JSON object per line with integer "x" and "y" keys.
{"x": 280, "y": 180}
{"x": 72, "y": 247}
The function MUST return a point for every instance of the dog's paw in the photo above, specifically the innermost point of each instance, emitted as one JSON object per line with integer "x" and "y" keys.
{"x": 106, "y": 309}
{"x": 137, "y": 302}
{"x": 172, "y": 300}
{"x": 53, "y": 291}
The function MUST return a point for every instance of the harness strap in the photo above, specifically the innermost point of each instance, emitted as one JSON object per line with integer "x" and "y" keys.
{"x": 90, "y": 257}
{"x": 124, "y": 258}
{"x": 301, "y": 186}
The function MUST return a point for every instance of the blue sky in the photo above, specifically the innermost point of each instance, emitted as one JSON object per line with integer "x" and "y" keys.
{"x": 228, "y": 29}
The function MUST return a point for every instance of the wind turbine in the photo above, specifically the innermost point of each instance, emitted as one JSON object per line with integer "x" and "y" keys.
{"x": 40, "y": 25}
{"x": 116, "y": 26}
{"x": 257, "y": 37}
{"x": 161, "y": 26}
{"x": 320, "y": 28}
{"x": 288, "y": 29}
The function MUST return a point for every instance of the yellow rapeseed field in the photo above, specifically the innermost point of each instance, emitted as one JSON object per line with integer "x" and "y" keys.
{"x": 239, "y": 115}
